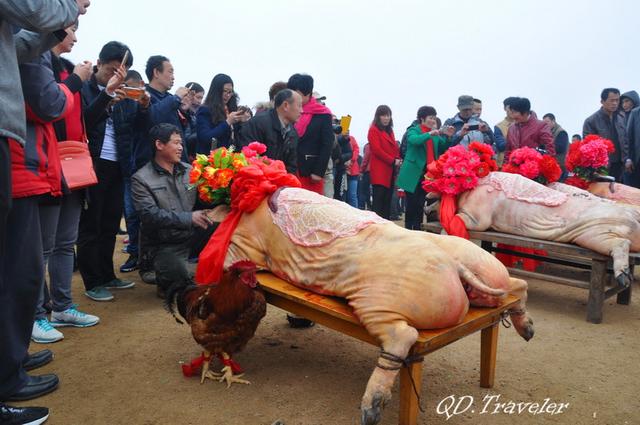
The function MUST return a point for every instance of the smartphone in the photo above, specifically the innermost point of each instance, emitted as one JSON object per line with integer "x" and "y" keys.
{"x": 133, "y": 92}
{"x": 473, "y": 127}
{"x": 124, "y": 59}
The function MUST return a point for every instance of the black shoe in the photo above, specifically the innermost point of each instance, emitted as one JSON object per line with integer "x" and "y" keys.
{"x": 299, "y": 322}
{"x": 38, "y": 359}
{"x": 36, "y": 386}
{"x": 22, "y": 415}
{"x": 130, "y": 265}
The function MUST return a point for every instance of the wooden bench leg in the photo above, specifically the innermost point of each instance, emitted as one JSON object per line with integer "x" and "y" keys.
{"x": 596, "y": 291}
{"x": 408, "y": 401}
{"x": 488, "y": 351}
{"x": 624, "y": 297}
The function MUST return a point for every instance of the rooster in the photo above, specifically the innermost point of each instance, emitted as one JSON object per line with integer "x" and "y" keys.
{"x": 223, "y": 317}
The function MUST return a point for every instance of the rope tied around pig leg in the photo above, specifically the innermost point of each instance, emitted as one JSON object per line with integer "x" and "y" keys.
{"x": 505, "y": 315}
{"x": 406, "y": 362}
{"x": 504, "y": 319}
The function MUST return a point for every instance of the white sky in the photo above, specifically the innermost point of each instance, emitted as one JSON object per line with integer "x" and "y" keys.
{"x": 559, "y": 54}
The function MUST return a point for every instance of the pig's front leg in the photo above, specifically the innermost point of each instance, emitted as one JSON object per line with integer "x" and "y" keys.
{"x": 397, "y": 339}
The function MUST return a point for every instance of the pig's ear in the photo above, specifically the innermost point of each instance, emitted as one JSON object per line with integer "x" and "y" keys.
{"x": 218, "y": 213}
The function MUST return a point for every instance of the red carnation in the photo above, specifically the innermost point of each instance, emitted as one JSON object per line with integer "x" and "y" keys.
{"x": 550, "y": 169}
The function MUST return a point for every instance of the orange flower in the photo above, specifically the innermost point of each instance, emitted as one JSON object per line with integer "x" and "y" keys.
{"x": 194, "y": 175}
{"x": 209, "y": 172}
{"x": 223, "y": 177}
{"x": 205, "y": 194}
{"x": 237, "y": 163}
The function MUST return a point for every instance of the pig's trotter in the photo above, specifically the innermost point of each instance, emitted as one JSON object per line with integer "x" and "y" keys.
{"x": 373, "y": 414}
{"x": 396, "y": 338}
{"x": 624, "y": 279}
{"x": 620, "y": 255}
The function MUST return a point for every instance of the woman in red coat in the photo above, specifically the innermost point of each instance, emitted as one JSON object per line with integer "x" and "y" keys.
{"x": 385, "y": 157}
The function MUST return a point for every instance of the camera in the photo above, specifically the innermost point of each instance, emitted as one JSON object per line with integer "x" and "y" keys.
{"x": 337, "y": 129}
{"x": 473, "y": 124}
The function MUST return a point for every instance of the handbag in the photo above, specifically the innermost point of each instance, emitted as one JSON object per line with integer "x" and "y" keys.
{"x": 77, "y": 166}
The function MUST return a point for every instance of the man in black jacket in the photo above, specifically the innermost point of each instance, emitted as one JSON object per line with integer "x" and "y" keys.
{"x": 164, "y": 199}
{"x": 608, "y": 122}
{"x": 632, "y": 161}
{"x": 316, "y": 135}
{"x": 100, "y": 221}
{"x": 274, "y": 129}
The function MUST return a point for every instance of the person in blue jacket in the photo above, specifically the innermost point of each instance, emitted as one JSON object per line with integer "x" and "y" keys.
{"x": 218, "y": 120}
{"x": 164, "y": 107}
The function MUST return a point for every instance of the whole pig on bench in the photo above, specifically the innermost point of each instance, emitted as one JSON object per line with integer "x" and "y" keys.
{"x": 396, "y": 280}
{"x": 511, "y": 203}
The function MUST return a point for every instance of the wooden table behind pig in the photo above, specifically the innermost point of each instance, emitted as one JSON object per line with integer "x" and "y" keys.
{"x": 396, "y": 280}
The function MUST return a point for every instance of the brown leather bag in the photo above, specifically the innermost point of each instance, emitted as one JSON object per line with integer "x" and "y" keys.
{"x": 77, "y": 166}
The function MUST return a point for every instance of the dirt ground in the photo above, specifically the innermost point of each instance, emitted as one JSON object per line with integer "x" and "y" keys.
{"x": 126, "y": 370}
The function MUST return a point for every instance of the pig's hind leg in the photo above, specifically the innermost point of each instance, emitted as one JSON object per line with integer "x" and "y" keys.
{"x": 397, "y": 338}
{"x": 620, "y": 255}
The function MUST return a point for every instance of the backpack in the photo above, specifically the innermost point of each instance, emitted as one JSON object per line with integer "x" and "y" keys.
{"x": 403, "y": 142}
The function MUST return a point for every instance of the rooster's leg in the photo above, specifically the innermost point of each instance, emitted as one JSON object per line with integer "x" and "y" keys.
{"x": 206, "y": 372}
{"x": 227, "y": 372}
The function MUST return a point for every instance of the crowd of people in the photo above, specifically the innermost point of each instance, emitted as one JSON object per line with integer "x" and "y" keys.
{"x": 141, "y": 139}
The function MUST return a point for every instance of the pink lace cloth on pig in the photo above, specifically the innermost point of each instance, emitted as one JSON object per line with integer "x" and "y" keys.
{"x": 521, "y": 188}
{"x": 309, "y": 219}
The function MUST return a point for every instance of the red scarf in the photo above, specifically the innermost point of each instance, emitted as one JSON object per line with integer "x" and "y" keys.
{"x": 308, "y": 111}
{"x": 430, "y": 154}
{"x": 250, "y": 186}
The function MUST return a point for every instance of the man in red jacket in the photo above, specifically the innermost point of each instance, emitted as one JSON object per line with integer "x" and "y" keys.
{"x": 527, "y": 130}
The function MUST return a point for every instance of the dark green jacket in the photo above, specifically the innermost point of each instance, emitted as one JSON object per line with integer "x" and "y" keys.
{"x": 413, "y": 167}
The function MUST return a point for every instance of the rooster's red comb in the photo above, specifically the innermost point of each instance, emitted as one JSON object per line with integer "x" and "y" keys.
{"x": 243, "y": 265}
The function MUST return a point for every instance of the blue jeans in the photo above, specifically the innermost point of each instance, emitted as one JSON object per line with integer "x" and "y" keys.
{"x": 352, "y": 191}
{"x": 131, "y": 218}
{"x": 59, "y": 227}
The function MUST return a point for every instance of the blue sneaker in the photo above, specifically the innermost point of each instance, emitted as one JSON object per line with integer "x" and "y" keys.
{"x": 119, "y": 284}
{"x": 99, "y": 293}
{"x": 73, "y": 317}
{"x": 44, "y": 333}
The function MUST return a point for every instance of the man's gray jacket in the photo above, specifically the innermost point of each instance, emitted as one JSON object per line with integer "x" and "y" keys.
{"x": 39, "y": 21}
{"x": 164, "y": 203}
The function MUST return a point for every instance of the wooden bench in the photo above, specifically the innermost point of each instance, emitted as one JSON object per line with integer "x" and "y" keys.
{"x": 336, "y": 314}
{"x": 599, "y": 266}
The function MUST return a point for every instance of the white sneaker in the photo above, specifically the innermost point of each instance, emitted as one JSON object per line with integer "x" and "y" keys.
{"x": 44, "y": 333}
{"x": 73, "y": 317}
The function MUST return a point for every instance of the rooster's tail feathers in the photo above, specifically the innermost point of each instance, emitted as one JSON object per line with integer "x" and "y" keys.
{"x": 175, "y": 296}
